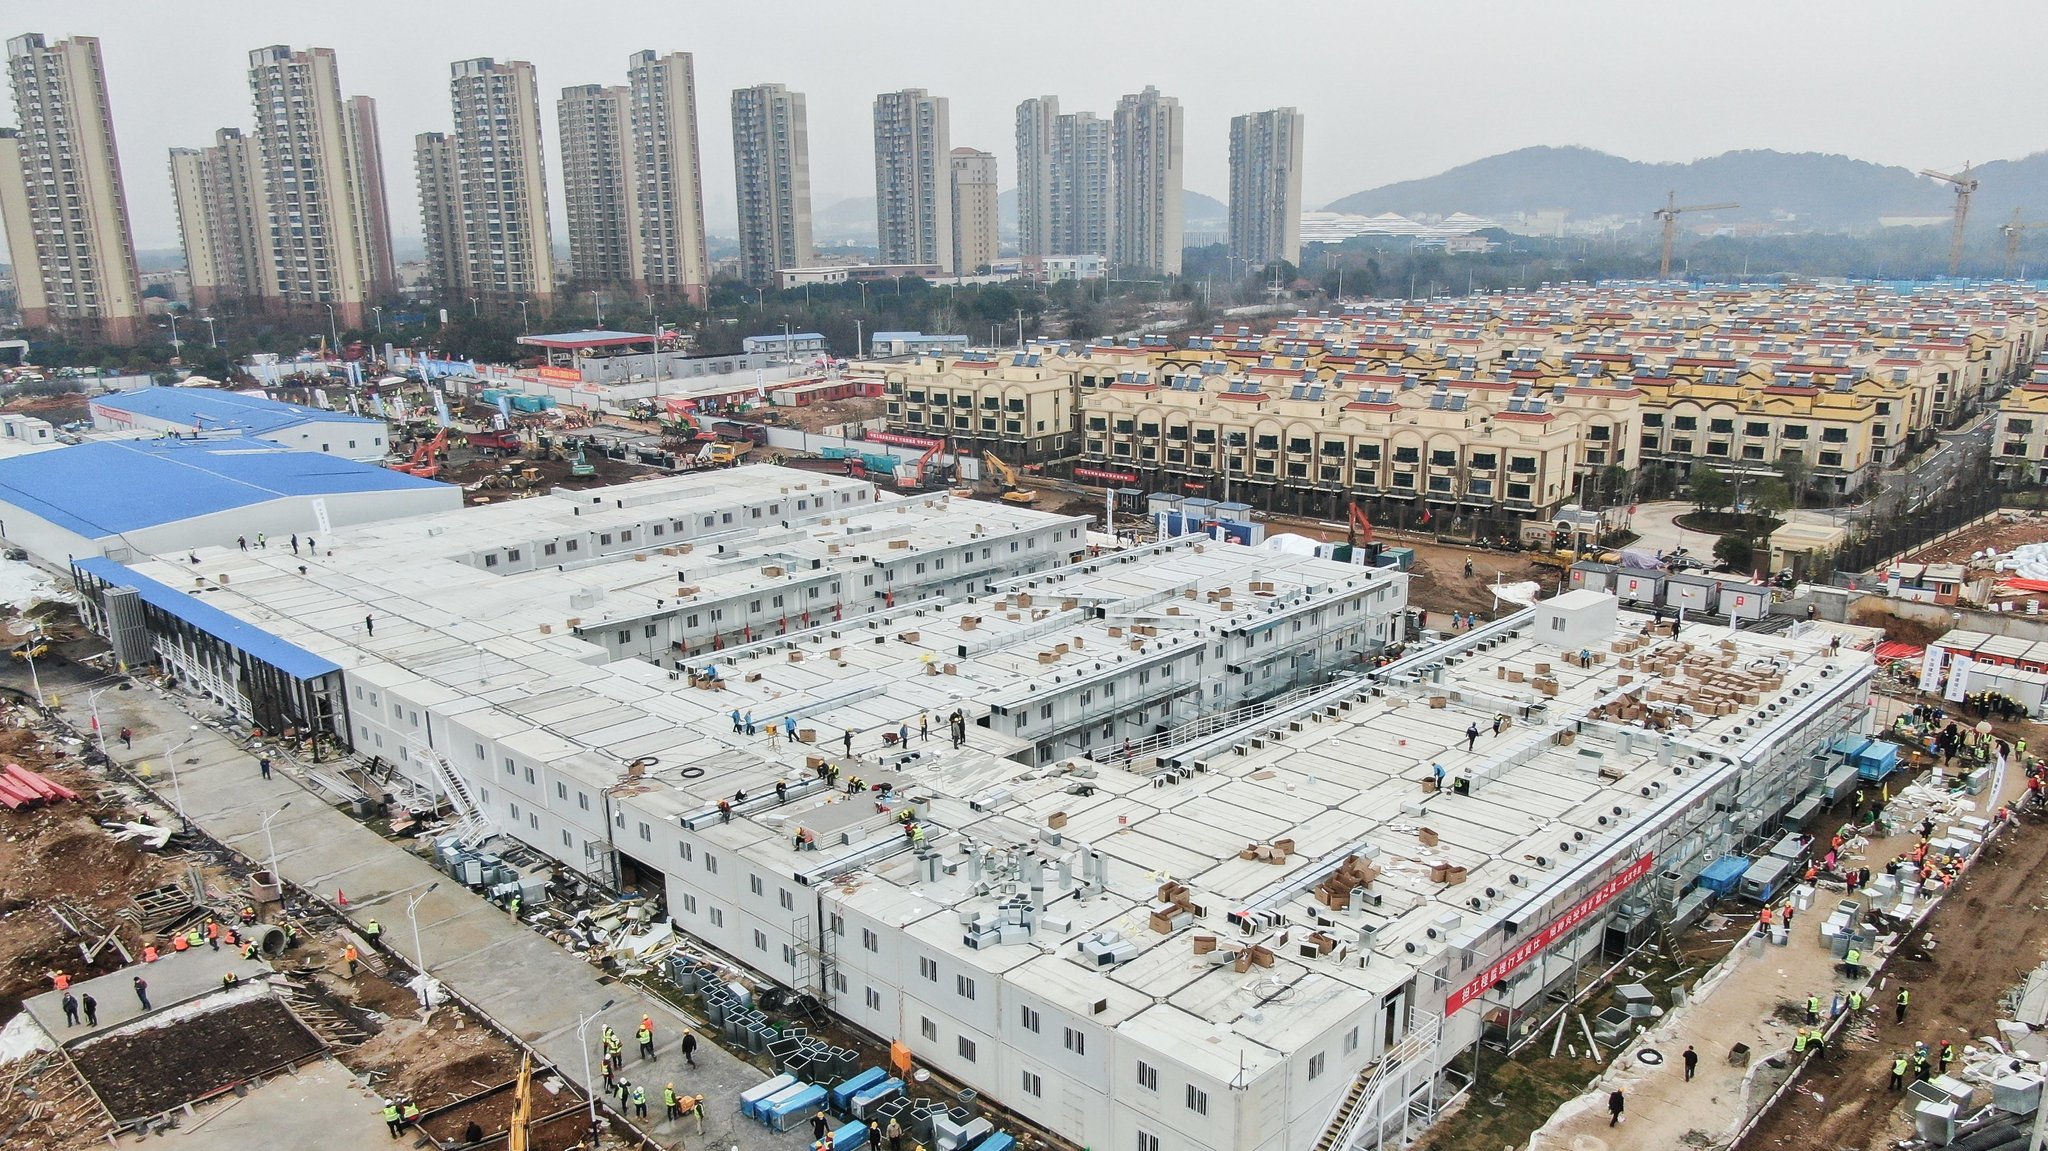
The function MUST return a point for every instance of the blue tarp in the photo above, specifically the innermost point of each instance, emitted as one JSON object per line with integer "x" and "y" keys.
{"x": 247, "y": 638}
{"x": 850, "y": 1137}
{"x": 786, "y": 1110}
{"x": 1723, "y": 875}
{"x": 842, "y": 1095}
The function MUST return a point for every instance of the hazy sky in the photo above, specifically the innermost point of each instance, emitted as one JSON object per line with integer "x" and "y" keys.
{"x": 1391, "y": 91}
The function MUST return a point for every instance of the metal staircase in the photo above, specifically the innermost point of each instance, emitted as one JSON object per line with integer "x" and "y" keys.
{"x": 472, "y": 825}
{"x": 1401, "y": 1088}
{"x": 815, "y": 958}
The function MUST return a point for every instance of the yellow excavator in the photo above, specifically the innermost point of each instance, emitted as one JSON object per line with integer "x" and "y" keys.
{"x": 1012, "y": 492}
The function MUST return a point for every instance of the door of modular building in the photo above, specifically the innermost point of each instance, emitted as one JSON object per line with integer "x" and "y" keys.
{"x": 1390, "y": 1016}
{"x": 639, "y": 878}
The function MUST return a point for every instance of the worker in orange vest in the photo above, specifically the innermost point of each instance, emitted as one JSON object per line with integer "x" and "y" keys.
{"x": 348, "y": 961}
{"x": 178, "y": 942}
{"x": 1764, "y": 918}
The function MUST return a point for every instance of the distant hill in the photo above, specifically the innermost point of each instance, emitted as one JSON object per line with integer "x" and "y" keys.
{"x": 1817, "y": 190}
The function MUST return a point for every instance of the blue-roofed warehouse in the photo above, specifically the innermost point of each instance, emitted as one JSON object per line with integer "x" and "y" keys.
{"x": 129, "y": 499}
{"x": 184, "y": 411}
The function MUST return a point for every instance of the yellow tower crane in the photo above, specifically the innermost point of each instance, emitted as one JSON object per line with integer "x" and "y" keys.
{"x": 1965, "y": 186}
{"x": 1669, "y": 215}
{"x": 2014, "y": 232}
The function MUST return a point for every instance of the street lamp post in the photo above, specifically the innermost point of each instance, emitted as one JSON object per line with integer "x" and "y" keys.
{"x": 92, "y": 701}
{"x": 176, "y": 344}
{"x": 380, "y": 319}
{"x": 599, "y": 301}
{"x": 419, "y": 952}
{"x": 523, "y": 329}
{"x": 171, "y": 762}
{"x": 211, "y": 337}
{"x": 333, "y": 330}
{"x": 270, "y": 845}
{"x": 589, "y": 1090}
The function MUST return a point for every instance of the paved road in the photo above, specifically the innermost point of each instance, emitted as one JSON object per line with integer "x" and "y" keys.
{"x": 528, "y": 985}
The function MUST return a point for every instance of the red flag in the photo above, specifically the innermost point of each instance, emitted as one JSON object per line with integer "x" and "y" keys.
{"x": 1426, "y": 513}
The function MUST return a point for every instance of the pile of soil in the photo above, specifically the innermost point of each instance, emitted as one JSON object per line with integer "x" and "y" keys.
{"x": 445, "y": 1059}
{"x": 145, "y": 1072}
{"x": 2000, "y": 533}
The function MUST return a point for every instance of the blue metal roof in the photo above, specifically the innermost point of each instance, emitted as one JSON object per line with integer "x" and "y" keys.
{"x": 213, "y": 410}
{"x": 247, "y": 638}
{"x": 106, "y": 487}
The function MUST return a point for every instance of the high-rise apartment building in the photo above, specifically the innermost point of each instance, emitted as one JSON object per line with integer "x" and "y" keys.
{"x": 1265, "y": 186}
{"x": 1036, "y": 118}
{"x": 373, "y": 207}
{"x": 771, "y": 159}
{"x": 223, "y": 221}
{"x": 913, "y": 179}
{"x": 433, "y": 158}
{"x": 975, "y": 229}
{"x": 1145, "y": 145}
{"x": 668, "y": 192}
{"x": 317, "y": 165}
{"x": 1081, "y": 211}
{"x": 506, "y": 250}
{"x": 598, "y": 185}
{"x": 61, "y": 197}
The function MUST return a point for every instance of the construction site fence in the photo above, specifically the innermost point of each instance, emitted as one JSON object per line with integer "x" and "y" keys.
{"x": 1833, "y": 1028}
{"x": 1920, "y": 527}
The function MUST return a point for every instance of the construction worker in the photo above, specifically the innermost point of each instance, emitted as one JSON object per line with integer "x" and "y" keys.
{"x": 645, "y": 1037}
{"x": 412, "y": 1114}
{"x": 1799, "y": 1042}
{"x": 1812, "y": 1009}
{"x": 1942, "y": 1057}
{"x": 639, "y": 1102}
{"x": 229, "y": 980}
{"x": 690, "y": 1048}
{"x": 1856, "y": 998}
{"x": 695, "y": 1104}
{"x": 1852, "y": 966}
{"x": 1763, "y": 919}
{"x": 894, "y": 1134}
{"x": 213, "y": 934}
{"x": 142, "y": 992}
{"x": 1905, "y": 997}
{"x": 818, "y": 1124}
{"x": 669, "y": 1103}
{"x": 392, "y": 1117}
{"x": 249, "y": 950}
{"x": 373, "y": 931}
{"x": 513, "y": 906}
{"x": 149, "y": 953}
{"x": 1898, "y": 1072}
{"x": 178, "y": 943}
{"x": 70, "y": 1009}
{"x": 1921, "y": 1064}
{"x": 248, "y": 914}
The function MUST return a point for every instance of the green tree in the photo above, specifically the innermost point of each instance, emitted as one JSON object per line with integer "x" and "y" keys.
{"x": 1709, "y": 489}
{"x": 1735, "y": 550}
{"x": 1771, "y": 496}
{"x": 1796, "y": 472}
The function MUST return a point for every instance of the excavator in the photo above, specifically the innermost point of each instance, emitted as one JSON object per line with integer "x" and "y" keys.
{"x": 426, "y": 458}
{"x": 1013, "y": 493}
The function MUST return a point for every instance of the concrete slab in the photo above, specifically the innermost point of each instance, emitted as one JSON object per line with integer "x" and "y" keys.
{"x": 321, "y": 1105}
{"x": 176, "y": 978}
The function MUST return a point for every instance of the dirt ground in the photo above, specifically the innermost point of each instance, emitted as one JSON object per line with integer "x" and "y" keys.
{"x": 59, "y": 409}
{"x": 1980, "y": 943}
{"x": 439, "y": 1061}
{"x": 2001, "y": 533}
{"x": 145, "y": 1072}
{"x": 831, "y": 413}
{"x": 59, "y": 852}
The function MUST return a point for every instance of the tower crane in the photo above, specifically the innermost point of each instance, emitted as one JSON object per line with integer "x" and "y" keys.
{"x": 1669, "y": 215}
{"x": 1965, "y": 186}
{"x": 2014, "y": 232}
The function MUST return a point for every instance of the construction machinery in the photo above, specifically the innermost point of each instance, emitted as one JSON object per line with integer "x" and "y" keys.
{"x": 1360, "y": 529}
{"x": 723, "y": 453}
{"x": 1669, "y": 214}
{"x": 1013, "y": 491}
{"x": 426, "y": 458}
{"x": 2014, "y": 232}
{"x": 518, "y": 1131}
{"x": 1965, "y": 186}
{"x": 579, "y": 466}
